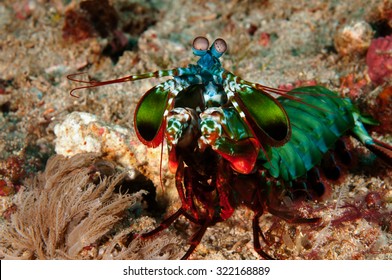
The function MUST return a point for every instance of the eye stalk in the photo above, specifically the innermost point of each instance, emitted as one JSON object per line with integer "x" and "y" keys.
{"x": 218, "y": 48}
{"x": 200, "y": 46}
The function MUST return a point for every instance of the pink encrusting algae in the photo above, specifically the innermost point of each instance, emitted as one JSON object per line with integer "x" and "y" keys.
{"x": 379, "y": 60}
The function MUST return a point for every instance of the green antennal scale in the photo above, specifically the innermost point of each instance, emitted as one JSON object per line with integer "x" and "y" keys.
{"x": 230, "y": 142}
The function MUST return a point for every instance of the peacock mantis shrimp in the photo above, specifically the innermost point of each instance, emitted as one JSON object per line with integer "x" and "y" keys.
{"x": 230, "y": 142}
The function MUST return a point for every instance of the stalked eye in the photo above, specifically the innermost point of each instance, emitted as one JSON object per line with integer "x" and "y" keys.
{"x": 218, "y": 47}
{"x": 200, "y": 46}
{"x": 200, "y": 43}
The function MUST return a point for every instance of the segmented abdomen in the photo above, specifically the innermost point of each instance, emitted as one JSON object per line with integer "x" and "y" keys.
{"x": 317, "y": 122}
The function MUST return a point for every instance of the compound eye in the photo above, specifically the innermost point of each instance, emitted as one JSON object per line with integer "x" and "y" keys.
{"x": 218, "y": 47}
{"x": 200, "y": 43}
{"x": 200, "y": 46}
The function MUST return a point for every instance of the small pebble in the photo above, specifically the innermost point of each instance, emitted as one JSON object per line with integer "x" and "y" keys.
{"x": 353, "y": 39}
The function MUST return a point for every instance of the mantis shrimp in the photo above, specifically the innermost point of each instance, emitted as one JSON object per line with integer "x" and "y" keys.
{"x": 230, "y": 142}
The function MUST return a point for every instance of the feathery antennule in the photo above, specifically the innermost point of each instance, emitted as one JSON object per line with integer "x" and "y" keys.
{"x": 130, "y": 78}
{"x": 92, "y": 84}
{"x": 297, "y": 97}
{"x": 288, "y": 94}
